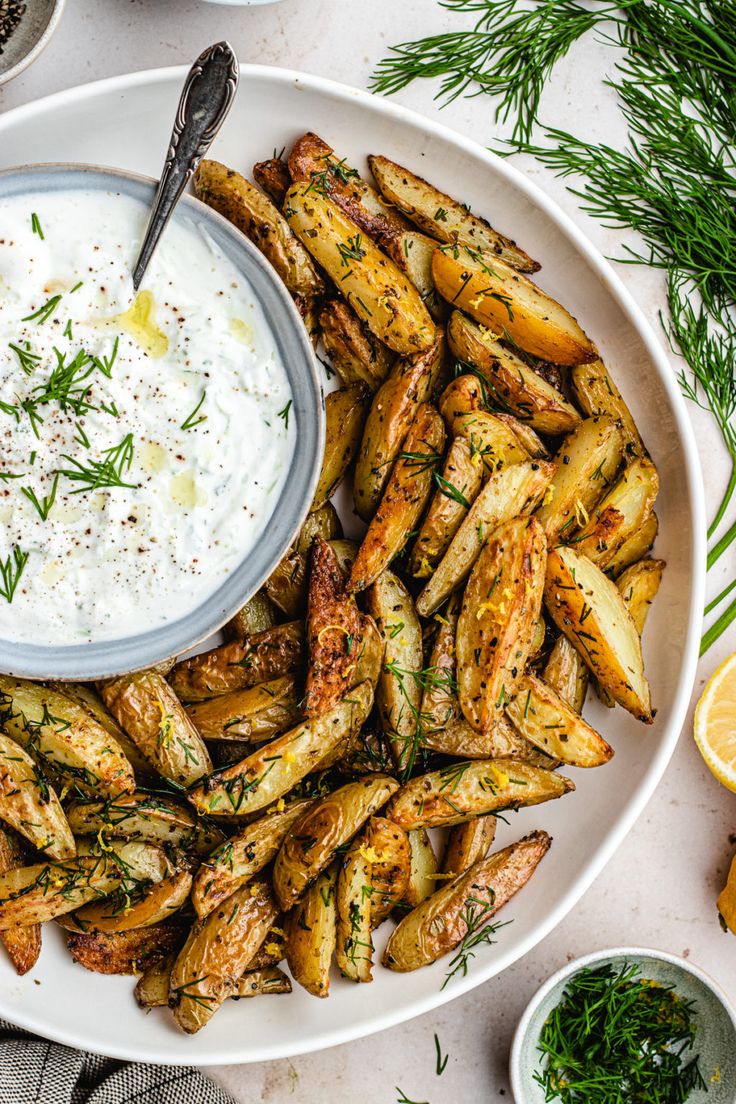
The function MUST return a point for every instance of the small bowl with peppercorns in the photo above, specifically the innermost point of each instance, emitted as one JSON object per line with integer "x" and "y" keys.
{"x": 26, "y": 27}
{"x": 626, "y": 1024}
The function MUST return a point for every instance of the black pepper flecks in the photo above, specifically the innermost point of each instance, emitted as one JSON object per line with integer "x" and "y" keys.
{"x": 11, "y": 13}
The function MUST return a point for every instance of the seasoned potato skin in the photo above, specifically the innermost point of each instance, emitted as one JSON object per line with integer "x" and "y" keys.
{"x": 501, "y": 605}
{"x": 543, "y": 718}
{"x": 273, "y": 177}
{"x": 586, "y": 463}
{"x": 311, "y": 935}
{"x": 423, "y": 867}
{"x": 32, "y": 894}
{"x": 475, "y": 788}
{"x": 355, "y": 354}
{"x": 620, "y": 513}
{"x": 459, "y": 484}
{"x": 467, "y": 844}
{"x": 255, "y": 714}
{"x": 389, "y": 851}
{"x": 286, "y": 586}
{"x": 123, "y": 952}
{"x": 333, "y": 632}
{"x": 22, "y": 944}
{"x": 439, "y": 924}
{"x": 85, "y": 695}
{"x": 596, "y": 393}
{"x": 159, "y": 902}
{"x": 635, "y": 548}
{"x": 240, "y": 663}
{"x": 638, "y": 585}
{"x": 566, "y": 673}
{"x": 30, "y": 806}
{"x": 145, "y": 818}
{"x": 314, "y": 838}
{"x": 354, "y": 941}
{"x": 345, "y": 412}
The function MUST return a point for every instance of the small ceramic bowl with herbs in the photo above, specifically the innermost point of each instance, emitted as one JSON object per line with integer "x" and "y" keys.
{"x": 626, "y": 1024}
{"x": 26, "y": 27}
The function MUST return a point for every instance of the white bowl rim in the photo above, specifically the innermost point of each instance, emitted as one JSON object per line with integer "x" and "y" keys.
{"x": 592, "y": 959}
{"x": 40, "y": 45}
{"x": 650, "y": 779}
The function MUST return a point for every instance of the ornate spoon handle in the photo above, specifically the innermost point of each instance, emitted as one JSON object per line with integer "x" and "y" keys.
{"x": 206, "y": 98}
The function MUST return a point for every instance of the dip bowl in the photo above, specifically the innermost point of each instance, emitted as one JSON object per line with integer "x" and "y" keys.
{"x": 105, "y": 658}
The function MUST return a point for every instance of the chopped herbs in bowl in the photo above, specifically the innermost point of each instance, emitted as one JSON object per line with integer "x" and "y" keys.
{"x": 626, "y": 1027}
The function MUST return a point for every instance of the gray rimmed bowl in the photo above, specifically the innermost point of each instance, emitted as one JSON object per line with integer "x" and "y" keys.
{"x": 103, "y": 659}
{"x": 31, "y": 36}
{"x": 715, "y": 1042}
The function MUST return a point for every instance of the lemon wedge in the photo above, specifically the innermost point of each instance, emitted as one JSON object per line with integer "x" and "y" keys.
{"x": 715, "y": 723}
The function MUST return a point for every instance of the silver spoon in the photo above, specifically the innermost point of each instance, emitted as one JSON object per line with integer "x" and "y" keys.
{"x": 206, "y": 98}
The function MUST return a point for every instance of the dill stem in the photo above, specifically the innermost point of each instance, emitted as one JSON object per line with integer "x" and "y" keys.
{"x": 718, "y": 627}
{"x": 718, "y": 549}
{"x": 724, "y": 501}
{"x": 704, "y": 27}
{"x": 724, "y": 594}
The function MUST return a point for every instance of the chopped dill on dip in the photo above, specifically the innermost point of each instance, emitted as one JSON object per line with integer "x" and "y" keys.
{"x": 142, "y": 449}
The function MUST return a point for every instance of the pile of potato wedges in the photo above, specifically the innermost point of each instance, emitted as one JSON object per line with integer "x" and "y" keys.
{"x": 272, "y": 799}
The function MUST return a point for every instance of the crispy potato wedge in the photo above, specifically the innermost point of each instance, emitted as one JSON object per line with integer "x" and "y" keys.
{"x": 29, "y": 805}
{"x": 264, "y": 982}
{"x": 548, "y": 722}
{"x": 404, "y": 497}
{"x": 457, "y": 488}
{"x": 620, "y": 513}
{"x": 84, "y": 694}
{"x": 635, "y": 548}
{"x": 217, "y": 953}
{"x": 412, "y": 253}
{"x": 154, "y": 718}
{"x": 440, "y": 705}
{"x": 423, "y": 867}
{"x": 333, "y": 632}
{"x": 504, "y": 742}
{"x": 323, "y": 522}
{"x": 272, "y": 770}
{"x": 596, "y": 393}
{"x": 465, "y": 394}
{"x": 64, "y": 734}
{"x": 240, "y": 663}
{"x": 477, "y": 787}
{"x": 638, "y": 585}
{"x": 399, "y": 687}
{"x": 389, "y": 851}
{"x": 314, "y": 162}
{"x": 410, "y": 383}
{"x": 152, "y": 987}
{"x": 128, "y": 952}
{"x": 587, "y": 462}
{"x": 345, "y": 412}
{"x": 511, "y": 385}
{"x": 525, "y": 435}
{"x": 22, "y": 944}
{"x": 442, "y": 216}
{"x": 274, "y": 178}
{"x": 566, "y": 673}
{"x": 441, "y": 922}
{"x": 119, "y": 913}
{"x": 152, "y": 990}
{"x": 140, "y": 862}
{"x": 311, "y": 935}
{"x": 314, "y": 838}
{"x": 379, "y": 293}
{"x": 355, "y": 354}
{"x": 242, "y": 856}
{"x": 253, "y": 715}
{"x": 467, "y": 844}
{"x": 144, "y": 818}
{"x": 501, "y": 604}
{"x": 509, "y": 493}
{"x": 255, "y": 216}
{"x": 588, "y": 608}
{"x": 256, "y": 615}
{"x": 500, "y": 298}
{"x": 493, "y": 442}
{"x": 354, "y": 922}
{"x": 33, "y": 894}
{"x": 286, "y": 586}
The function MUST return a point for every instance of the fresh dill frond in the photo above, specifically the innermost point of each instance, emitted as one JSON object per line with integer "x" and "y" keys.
{"x": 192, "y": 421}
{"x": 45, "y": 504}
{"x": 476, "y": 912}
{"x": 108, "y": 472}
{"x": 11, "y": 569}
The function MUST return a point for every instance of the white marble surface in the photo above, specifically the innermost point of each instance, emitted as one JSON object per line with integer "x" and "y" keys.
{"x": 660, "y": 888}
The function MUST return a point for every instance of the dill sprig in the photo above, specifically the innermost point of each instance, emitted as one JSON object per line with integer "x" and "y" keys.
{"x": 618, "y": 1036}
{"x": 474, "y": 916}
{"x": 107, "y": 472}
{"x": 11, "y": 569}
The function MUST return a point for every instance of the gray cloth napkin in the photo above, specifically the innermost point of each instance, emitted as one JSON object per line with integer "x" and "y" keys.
{"x": 33, "y": 1071}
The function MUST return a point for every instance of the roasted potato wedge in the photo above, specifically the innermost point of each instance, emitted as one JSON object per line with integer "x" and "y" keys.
{"x": 242, "y": 856}
{"x": 412, "y": 253}
{"x": 588, "y": 608}
{"x": 477, "y": 787}
{"x": 597, "y": 394}
{"x": 315, "y": 837}
{"x": 22, "y": 944}
{"x": 566, "y": 673}
{"x": 525, "y": 435}
{"x": 399, "y": 688}
{"x": 504, "y": 742}
{"x": 587, "y": 462}
{"x": 255, "y": 216}
{"x": 465, "y": 394}
{"x": 440, "y": 705}
{"x": 256, "y": 615}
{"x": 355, "y": 354}
{"x": 216, "y": 954}
{"x": 501, "y": 604}
{"x": 500, "y": 298}
{"x": 457, "y": 488}
{"x": 467, "y": 844}
{"x": 152, "y": 988}
{"x": 493, "y": 442}
{"x": 442, "y": 216}
{"x": 311, "y": 935}
{"x": 333, "y": 632}
{"x": 121, "y": 913}
{"x": 638, "y": 585}
{"x": 32, "y": 894}
{"x": 388, "y": 849}
{"x": 511, "y": 384}
{"x": 128, "y": 952}
{"x": 264, "y": 982}
{"x": 635, "y": 548}
{"x": 274, "y": 178}
{"x": 286, "y": 586}
{"x": 145, "y": 818}
{"x": 548, "y": 722}
{"x": 354, "y": 923}
{"x": 512, "y": 492}
{"x": 84, "y": 694}
{"x": 345, "y": 412}
{"x": 393, "y": 410}
{"x": 64, "y": 734}
{"x": 272, "y": 770}
{"x": 404, "y": 497}
{"x": 254, "y": 715}
{"x": 423, "y": 867}
{"x": 323, "y": 522}
{"x": 620, "y": 513}
{"x": 379, "y": 293}
{"x": 154, "y": 718}
{"x": 240, "y": 663}
{"x": 441, "y": 922}
{"x": 29, "y": 805}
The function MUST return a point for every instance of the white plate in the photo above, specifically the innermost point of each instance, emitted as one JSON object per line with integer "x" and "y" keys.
{"x": 126, "y": 122}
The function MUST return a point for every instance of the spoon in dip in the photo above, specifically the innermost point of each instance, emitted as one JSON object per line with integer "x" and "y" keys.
{"x": 205, "y": 101}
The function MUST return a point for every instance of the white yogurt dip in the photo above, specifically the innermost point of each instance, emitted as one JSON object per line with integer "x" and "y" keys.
{"x": 144, "y": 440}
